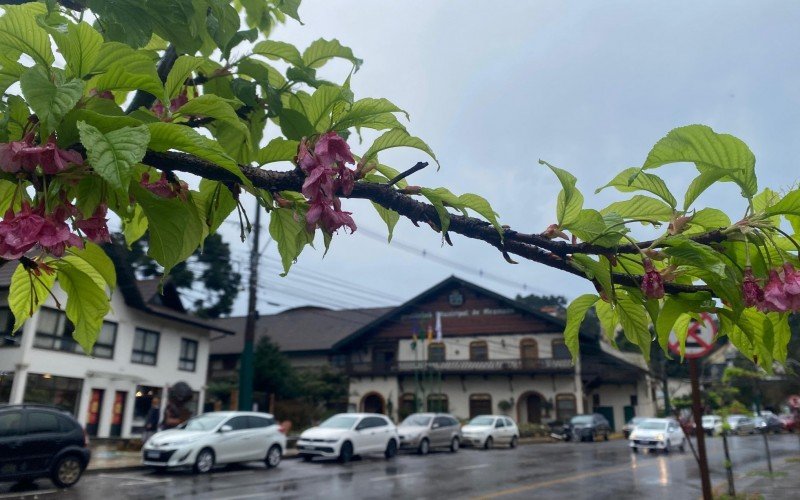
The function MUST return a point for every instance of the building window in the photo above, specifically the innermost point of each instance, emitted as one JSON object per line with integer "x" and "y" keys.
{"x": 528, "y": 352}
{"x": 188, "y": 359}
{"x": 595, "y": 400}
{"x": 436, "y": 352}
{"x": 54, "y": 332}
{"x": 480, "y": 404}
{"x": 408, "y": 405}
{"x": 6, "y": 380}
{"x": 560, "y": 350}
{"x": 438, "y": 403}
{"x": 7, "y": 337}
{"x": 478, "y": 351}
{"x": 61, "y": 392}
{"x": 566, "y": 407}
{"x": 142, "y": 403}
{"x": 145, "y": 347}
{"x": 634, "y": 400}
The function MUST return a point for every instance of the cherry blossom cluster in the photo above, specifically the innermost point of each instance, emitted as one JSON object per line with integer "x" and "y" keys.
{"x": 781, "y": 292}
{"x": 164, "y": 187}
{"x": 326, "y": 173}
{"x": 38, "y": 227}
{"x": 174, "y": 105}
{"x": 652, "y": 281}
{"x": 25, "y": 156}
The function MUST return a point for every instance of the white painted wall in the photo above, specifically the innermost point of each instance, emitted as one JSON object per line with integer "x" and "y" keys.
{"x": 500, "y": 346}
{"x": 117, "y": 374}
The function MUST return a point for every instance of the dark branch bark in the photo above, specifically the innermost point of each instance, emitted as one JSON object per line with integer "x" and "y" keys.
{"x": 69, "y": 4}
{"x": 399, "y": 177}
{"x": 516, "y": 243}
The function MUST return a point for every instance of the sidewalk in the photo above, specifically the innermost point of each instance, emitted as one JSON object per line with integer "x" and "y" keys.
{"x": 757, "y": 484}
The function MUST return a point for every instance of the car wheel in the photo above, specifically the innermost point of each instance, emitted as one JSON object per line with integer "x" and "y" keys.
{"x": 454, "y": 445}
{"x": 488, "y": 443}
{"x": 605, "y": 437}
{"x": 67, "y": 471}
{"x": 204, "y": 461}
{"x": 391, "y": 449}
{"x": 424, "y": 447}
{"x": 635, "y": 449}
{"x": 346, "y": 453}
{"x": 667, "y": 447}
{"x": 273, "y": 456}
{"x": 513, "y": 443}
{"x": 306, "y": 458}
{"x": 591, "y": 438}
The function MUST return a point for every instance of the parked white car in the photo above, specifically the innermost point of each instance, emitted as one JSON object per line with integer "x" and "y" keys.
{"x": 741, "y": 424}
{"x": 348, "y": 434}
{"x": 712, "y": 425}
{"x": 217, "y": 438}
{"x": 657, "y": 434}
{"x": 487, "y": 430}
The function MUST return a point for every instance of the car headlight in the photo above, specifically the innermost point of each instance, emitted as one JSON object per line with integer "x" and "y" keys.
{"x": 659, "y": 437}
{"x": 329, "y": 440}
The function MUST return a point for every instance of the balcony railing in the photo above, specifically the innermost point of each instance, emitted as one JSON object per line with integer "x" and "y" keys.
{"x": 464, "y": 366}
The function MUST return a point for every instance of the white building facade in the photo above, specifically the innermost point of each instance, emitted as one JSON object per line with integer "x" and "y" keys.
{"x": 493, "y": 356}
{"x": 142, "y": 351}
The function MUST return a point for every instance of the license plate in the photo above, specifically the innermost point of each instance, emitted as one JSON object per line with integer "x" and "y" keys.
{"x": 153, "y": 454}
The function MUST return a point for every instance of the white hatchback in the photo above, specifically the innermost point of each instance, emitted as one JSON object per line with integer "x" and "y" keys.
{"x": 348, "y": 434}
{"x": 487, "y": 430}
{"x": 217, "y": 438}
{"x": 657, "y": 434}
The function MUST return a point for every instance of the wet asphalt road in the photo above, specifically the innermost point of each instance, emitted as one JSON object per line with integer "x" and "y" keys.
{"x": 559, "y": 470}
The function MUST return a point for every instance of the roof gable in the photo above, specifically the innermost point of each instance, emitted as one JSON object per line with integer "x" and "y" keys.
{"x": 465, "y": 308}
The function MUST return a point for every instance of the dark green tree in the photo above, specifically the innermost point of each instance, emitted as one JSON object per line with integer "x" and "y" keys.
{"x": 273, "y": 372}
{"x": 208, "y": 271}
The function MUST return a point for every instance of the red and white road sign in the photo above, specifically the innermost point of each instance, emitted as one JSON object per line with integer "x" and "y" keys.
{"x": 699, "y": 338}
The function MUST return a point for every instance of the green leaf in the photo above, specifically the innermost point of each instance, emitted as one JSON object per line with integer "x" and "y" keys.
{"x": 8, "y": 192}
{"x": 126, "y": 21}
{"x": 481, "y": 206}
{"x": 371, "y": 113}
{"x": 640, "y": 207}
{"x": 19, "y": 32}
{"x": 279, "y": 50}
{"x": 87, "y": 304}
{"x": 700, "y": 184}
{"x": 175, "y": 227}
{"x": 596, "y": 270}
{"x": 214, "y": 202}
{"x": 666, "y": 320}
{"x": 681, "y": 329}
{"x": 177, "y": 22}
{"x": 80, "y": 46}
{"x": 708, "y": 150}
{"x": 222, "y": 22}
{"x": 320, "y": 105}
{"x": 49, "y": 101}
{"x": 395, "y": 138}
{"x": 570, "y": 200}
{"x": 635, "y": 325}
{"x": 390, "y": 173}
{"x": 26, "y": 294}
{"x": 277, "y": 150}
{"x": 113, "y": 155}
{"x": 123, "y": 68}
{"x": 289, "y": 7}
{"x": 576, "y": 312}
{"x": 166, "y": 136}
{"x": 213, "y": 106}
{"x": 134, "y": 226}
{"x": 288, "y": 228}
{"x": 439, "y": 198}
{"x": 181, "y": 70}
{"x": 390, "y": 217}
{"x": 10, "y": 73}
{"x": 634, "y": 179}
{"x": 294, "y": 124}
{"x": 608, "y": 320}
{"x": 710, "y": 219}
{"x": 690, "y": 253}
{"x": 95, "y": 257}
{"x": 321, "y": 51}
{"x": 262, "y": 72}
{"x": 788, "y": 205}
{"x": 68, "y": 133}
{"x": 590, "y": 226}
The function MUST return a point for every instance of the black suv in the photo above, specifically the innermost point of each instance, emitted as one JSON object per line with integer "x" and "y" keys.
{"x": 41, "y": 441}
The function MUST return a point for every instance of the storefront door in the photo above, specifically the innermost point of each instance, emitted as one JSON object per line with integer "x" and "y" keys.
{"x": 93, "y": 415}
{"x": 118, "y": 413}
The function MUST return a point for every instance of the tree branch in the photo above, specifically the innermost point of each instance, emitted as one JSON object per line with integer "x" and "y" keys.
{"x": 69, "y": 4}
{"x": 142, "y": 99}
{"x": 513, "y": 242}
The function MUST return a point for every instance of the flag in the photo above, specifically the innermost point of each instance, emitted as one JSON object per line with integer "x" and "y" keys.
{"x": 438, "y": 326}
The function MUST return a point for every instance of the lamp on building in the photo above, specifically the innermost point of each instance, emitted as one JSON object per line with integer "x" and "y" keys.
{"x": 47, "y": 376}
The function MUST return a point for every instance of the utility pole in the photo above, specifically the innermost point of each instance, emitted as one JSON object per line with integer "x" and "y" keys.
{"x": 246, "y": 367}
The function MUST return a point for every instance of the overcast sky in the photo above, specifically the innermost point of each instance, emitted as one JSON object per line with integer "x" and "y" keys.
{"x": 494, "y": 86}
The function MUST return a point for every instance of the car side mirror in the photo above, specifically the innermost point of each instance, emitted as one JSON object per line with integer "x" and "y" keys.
{"x": 225, "y": 428}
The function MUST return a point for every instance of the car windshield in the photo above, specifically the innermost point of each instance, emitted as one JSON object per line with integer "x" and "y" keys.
{"x": 652, "y": 425}
{"x": 339, "y": 422}
{"x": 582, "y": 419}
{"x": 417, "y": 421}
{"x": 482, "y": 421}
{"x": 637, "y": 420}
{"x": 203, "y": 422}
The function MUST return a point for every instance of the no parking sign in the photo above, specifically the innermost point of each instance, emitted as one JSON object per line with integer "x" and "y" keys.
{"x": 699, "y": 338}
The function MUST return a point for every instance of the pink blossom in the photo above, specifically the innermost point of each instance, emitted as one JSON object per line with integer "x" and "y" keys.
{"x": 96, "y": 226}
{"x": 23, "y": 155}
{"x": 346, "y": 181}
{"x": 162, "y": 187}
{"x": 319, "y": 183}
{"x": 19, "y": 232}
{"x": 553, "y": 231}
{"x": 305, "y": 159}
{"x": 775, "y": 298}
{"x": 652, "y": 283}
{"x": 56, "y": 236}
{"x": 332, "y": 150}
{"x": 178, "y": 101}
{"x": 54, "y": 159}
{"x": 10, "y": 159}
{"x": 102, "y": 94}
{"x": 791, "y": 279}
{"x": 328, "y": 218}
{"x": 753, "y": 294}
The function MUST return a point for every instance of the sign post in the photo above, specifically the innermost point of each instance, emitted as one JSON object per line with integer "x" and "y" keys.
{"x": 699, "y": 341}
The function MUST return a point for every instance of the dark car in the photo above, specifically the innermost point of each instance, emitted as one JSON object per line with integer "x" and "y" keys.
{"x": 589, "y": 427}
{"x": 41, "y": 441}
{"x": 768, "y": 423}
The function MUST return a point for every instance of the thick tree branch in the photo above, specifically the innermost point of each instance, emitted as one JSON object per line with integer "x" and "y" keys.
{"x": 516, "y": 243}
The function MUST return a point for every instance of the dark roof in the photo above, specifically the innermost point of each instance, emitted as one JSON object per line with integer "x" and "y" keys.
{"x": 303, "y": 329}
{"x": 436, "y": 289}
